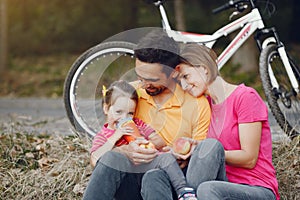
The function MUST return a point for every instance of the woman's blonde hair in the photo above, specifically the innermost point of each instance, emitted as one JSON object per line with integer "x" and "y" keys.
{"x": 197, "y": 55}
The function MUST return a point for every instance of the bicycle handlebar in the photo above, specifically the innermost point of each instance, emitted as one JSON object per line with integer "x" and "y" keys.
{"x": 223, "y": 7}
{"x": 231, "y": 4}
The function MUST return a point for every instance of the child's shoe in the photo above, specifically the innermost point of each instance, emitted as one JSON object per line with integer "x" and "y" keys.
{"x": 187, "y": 194}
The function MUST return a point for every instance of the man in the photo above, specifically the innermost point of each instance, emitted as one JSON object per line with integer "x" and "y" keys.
{"x": 167, "y": 109}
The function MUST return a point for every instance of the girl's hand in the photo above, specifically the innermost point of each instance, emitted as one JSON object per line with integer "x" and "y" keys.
{"x": 122, "y": 131}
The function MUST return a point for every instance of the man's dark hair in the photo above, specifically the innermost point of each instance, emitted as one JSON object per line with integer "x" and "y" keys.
{"x": 158, "y": 47}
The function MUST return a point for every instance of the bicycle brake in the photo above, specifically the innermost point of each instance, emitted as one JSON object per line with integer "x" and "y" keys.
{"x": 233, "y": 14}
{"x": 240, "y": 8}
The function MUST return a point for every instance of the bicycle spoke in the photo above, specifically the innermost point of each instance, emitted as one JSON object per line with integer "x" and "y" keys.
{"x": 97, "y": 69}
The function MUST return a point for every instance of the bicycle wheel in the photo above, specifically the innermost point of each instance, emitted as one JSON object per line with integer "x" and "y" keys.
{"x": 283, "y": 100}
{"x": 98, "y": 66}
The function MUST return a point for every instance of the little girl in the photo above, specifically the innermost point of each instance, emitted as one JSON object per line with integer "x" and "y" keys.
{"x": 119, "y": 102}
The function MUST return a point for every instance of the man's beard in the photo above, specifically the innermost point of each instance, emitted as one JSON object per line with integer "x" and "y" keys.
{"x": 157, "y": 91}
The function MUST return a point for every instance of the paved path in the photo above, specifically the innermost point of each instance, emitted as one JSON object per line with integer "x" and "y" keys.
{"x": 35, "y": 115}
{"x": 48, "y": 116}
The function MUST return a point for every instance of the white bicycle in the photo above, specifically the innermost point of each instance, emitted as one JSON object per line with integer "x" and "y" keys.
{"x": 114, "y": 59}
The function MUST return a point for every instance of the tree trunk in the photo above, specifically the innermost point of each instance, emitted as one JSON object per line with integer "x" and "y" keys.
{"x": 3, "y": 35}
{"x": 179, "y": 15}
{"x": 247, "y": 56}
{"x": 295, "y": 32}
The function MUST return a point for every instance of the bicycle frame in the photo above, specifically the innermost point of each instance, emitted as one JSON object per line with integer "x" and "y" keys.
{"x": 248, "y": 24}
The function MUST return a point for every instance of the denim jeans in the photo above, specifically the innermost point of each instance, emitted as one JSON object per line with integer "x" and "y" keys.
{"x": 107, "y": 182}
{"x": 206, "y": 173}
{"x": 116, "y": 177}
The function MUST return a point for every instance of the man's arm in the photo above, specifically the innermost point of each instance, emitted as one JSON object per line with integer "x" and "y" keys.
{"x": 200, "y": 123}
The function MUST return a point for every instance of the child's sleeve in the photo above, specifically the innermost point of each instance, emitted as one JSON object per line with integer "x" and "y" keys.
{"x": 144, "y": 128}
{"x": 98, "y": 141}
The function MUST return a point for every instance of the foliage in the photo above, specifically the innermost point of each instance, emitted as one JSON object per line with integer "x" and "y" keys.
{"x": 233, "y": 74}
{"x": 43, "y": 27}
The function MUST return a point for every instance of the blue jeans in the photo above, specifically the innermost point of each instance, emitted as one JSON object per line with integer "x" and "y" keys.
{"x": 206, "y": 173}
{"x": 110, "y": 183}
{"x": 115, "y": 177}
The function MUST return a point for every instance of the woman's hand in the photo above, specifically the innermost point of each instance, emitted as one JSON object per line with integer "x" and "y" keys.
{"x": 183, "y": 160}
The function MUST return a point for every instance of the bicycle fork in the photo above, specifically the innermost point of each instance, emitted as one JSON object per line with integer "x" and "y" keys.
{"x": 270, "y": 36}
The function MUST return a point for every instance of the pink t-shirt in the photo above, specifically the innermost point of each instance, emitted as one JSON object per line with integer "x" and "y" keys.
{"x": 101, "y": 138}
{"x": 244, "y": 105}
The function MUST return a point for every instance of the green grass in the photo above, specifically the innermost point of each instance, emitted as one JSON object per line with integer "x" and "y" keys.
{"x": 36, "y": 76}
{"x": 44, "y": 76}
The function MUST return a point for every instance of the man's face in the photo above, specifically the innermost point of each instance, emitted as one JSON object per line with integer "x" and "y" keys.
{"x": 152, "y": 79}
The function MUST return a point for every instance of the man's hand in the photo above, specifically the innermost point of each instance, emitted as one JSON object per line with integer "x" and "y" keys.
{"x": 158, "y": 142}
{"x": 138, "y": 155}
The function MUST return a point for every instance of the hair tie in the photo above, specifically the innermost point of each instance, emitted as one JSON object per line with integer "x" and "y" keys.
{"x": 104, "y": 90}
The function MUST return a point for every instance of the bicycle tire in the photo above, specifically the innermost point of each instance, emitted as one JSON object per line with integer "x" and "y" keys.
{"x": 100, "y": 65}
{"x": 285, "y": 110}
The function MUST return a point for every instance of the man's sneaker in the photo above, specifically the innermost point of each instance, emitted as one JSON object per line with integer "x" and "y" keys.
{"x": 187, "y": 194}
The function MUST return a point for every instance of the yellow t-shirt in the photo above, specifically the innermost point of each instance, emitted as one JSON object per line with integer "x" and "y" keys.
{"x": 181, "y": 116}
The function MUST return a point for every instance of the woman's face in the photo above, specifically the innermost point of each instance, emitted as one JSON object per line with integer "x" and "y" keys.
{"x": 193, "y": 79}
{"x": 123, "y": 107}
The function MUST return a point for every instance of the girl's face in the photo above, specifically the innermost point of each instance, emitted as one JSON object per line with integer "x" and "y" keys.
{"x": 193, "y": 79}
{"x": 123, "y": 107}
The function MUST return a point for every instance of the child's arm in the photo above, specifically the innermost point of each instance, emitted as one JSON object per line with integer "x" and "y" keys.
{"x": 103, "y": 143}
{"x": 107, "y": 146}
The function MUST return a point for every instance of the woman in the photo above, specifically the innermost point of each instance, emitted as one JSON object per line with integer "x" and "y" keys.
{"x": 235, "y": 162}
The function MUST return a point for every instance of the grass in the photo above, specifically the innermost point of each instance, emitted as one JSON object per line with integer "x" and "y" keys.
{"x": 47, "y": 166}
{"x": 40, "y": 76}
{"x": 39, "y": 166}
{"x": 44, "y": 76}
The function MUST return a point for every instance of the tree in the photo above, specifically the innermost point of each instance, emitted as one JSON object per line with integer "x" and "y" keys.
{"x": 179, "y": 15}
{"x": 3, "y": 35}
{"x": 247, "y": 56}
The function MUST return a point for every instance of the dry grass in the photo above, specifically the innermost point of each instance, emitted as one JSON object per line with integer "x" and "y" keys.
{"x": 286, "y": 159}
{"x": 38, "y": 166}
